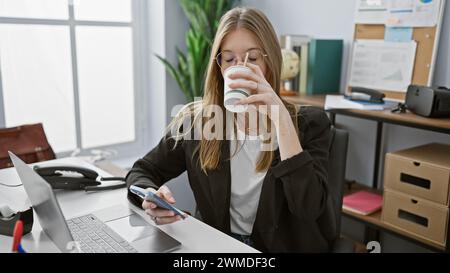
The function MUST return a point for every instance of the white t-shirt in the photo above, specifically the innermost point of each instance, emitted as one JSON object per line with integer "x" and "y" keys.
{"x": 246, "y": 185}
{"x": 246, "y": 182}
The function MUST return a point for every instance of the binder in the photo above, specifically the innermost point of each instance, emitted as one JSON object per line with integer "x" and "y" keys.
{"x": 324, "y": 66}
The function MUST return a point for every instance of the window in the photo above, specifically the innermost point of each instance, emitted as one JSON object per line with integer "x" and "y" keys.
{"x": 105, "y": 71}
{"x": 42, "y": 9}
{"x": 71, "y": 64}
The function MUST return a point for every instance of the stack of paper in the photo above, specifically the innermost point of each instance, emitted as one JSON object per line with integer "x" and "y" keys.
{"x": 340, "y": 102}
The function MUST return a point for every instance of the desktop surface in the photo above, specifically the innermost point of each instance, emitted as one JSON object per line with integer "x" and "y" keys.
{"x": 406, "y": 119}
{"x": 194, "y": 235}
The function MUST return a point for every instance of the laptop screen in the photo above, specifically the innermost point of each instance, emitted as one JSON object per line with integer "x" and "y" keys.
{"x": 44, "y": 204}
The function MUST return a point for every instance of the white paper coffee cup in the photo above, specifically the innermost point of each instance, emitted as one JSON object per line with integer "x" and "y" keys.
{"x": 231, "y": 96}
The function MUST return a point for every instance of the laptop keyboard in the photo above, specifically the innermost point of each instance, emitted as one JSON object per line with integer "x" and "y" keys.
{"x": 95, "y": 236}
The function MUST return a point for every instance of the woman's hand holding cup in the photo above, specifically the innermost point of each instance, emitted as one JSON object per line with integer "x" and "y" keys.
{"x": 262, "y": 93}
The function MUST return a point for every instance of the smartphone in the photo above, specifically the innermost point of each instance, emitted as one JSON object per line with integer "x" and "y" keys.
{"x": 152, "y": 197}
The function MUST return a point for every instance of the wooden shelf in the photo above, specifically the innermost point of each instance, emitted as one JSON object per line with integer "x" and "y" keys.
{"x": 406, "y": 119}
{"x": 375, "y": 220}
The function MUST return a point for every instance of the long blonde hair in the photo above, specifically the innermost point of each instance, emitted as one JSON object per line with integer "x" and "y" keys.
{"x": 255, "y": 21}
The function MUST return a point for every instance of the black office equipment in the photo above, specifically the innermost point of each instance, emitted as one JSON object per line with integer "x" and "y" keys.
{"x": 428, "y": 101}
{"x": 366, "y": 95}
{"x": 8, "y": 222}
{"x": 337, "y": 164}
{"x": 401, "y": 108}
{"x": 76, "y": 178}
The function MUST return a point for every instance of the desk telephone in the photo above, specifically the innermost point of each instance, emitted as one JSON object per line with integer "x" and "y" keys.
{"x": 76, "y": 178}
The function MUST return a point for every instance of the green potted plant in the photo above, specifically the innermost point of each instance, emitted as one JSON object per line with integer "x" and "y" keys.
{"x": 203, "y": 17}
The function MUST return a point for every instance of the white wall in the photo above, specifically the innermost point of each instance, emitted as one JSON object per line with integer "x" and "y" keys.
{"x": 442, "y": 75}
{"x": 315, "y": 18}
{"x": 176, "y": 28}
{"x": 334, "y": 19}
{"x": 157, "y": 74}
{"x": 167, "y": 26}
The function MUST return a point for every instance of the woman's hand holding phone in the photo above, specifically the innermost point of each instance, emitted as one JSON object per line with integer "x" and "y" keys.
{"x": 160, "y": 215}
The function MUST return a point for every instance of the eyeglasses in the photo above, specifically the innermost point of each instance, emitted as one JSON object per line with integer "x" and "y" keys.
{"x": 226, "y": 59}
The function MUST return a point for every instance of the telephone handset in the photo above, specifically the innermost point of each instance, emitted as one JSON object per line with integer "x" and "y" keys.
{"x": 76, "y": 178}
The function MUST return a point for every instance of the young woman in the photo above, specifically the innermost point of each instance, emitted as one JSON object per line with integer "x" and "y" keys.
{"x": 274, "y": 200}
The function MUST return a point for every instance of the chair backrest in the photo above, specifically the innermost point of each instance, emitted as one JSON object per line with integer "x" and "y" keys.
{"x": 336, "y": 170}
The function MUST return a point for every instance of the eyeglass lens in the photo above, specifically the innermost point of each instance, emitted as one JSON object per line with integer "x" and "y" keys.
{"x": 226, "y": 59}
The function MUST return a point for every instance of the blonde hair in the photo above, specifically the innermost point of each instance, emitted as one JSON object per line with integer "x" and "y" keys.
{"x": 255, "y": 21}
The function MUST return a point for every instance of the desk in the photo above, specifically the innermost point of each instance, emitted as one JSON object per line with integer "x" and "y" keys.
{"x": 194, "y": 235}
{"x": 408, "y": 119}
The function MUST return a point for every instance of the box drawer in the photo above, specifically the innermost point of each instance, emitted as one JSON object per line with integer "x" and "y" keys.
{"x": 416, "y": 216}
{"x": 417, "y": 178}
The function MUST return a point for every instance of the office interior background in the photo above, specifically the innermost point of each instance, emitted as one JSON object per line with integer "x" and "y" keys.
{"x": 91, "y": 75}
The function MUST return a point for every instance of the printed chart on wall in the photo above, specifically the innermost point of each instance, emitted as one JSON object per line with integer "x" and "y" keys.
{"x": 413, "y": 13}
{"x": 410, "y": 13}
{"x": 382, "y": 65}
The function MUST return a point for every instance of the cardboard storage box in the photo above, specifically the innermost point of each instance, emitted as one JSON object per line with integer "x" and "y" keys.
{"x": 416, "y": 216}
{"x": 422, "y": 171}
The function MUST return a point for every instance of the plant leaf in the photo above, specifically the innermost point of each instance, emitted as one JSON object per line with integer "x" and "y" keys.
{"x": 175, "y": 74}
{"x": 196, "y": 16}
{"x": 183, "y": 72}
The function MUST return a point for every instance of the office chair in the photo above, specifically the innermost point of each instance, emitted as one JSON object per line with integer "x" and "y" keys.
{"x": 336, "y": 182}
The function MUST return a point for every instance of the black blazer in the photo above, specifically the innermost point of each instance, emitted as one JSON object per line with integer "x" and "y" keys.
{"x": 295, "y": 213}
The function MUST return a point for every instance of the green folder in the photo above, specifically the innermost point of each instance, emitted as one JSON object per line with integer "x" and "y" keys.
{"x": 324, "y": 66}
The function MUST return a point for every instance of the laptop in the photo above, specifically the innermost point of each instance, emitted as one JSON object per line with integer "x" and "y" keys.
{"x": 111, "y": 230}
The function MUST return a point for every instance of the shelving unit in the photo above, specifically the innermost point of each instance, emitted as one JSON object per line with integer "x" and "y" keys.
{"x": 373, "y": 222}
